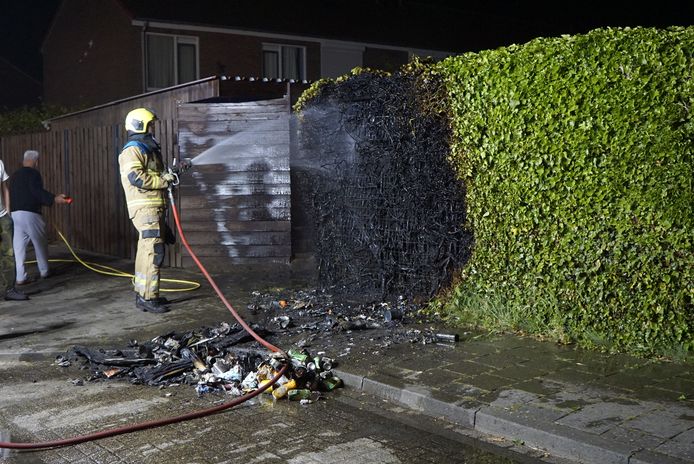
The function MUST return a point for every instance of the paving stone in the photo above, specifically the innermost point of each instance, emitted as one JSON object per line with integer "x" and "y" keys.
{"x": 478, "y": 349}
{"x": 469, "y": 368}
{"x": 663, "y": 371}
{"x": 501, "y": 361}
{"x": 601, "y": 417}
{"x": 490, "y": 382}
{"x": 664, "y": 422}
{"x": 512, "y": 398}
{"x": 568, "y": 400}
{"x": 624, "y": 380}
{"x": 543, "y": 363}
{"x": 656, "y": 393}
{"x": 535, "y": 411}
{"x": 438, "y": 376}
{"x": 636, "y": 438}
{"x": 570, "y": 375}
{"x": 521, "y": 372}
{"x": 680, "y": 446}
{"x": 441, "y": 395}
{"x": 677, "y": 384}
{"x": 462, "y": 390}
{"x": 541, "y": 387}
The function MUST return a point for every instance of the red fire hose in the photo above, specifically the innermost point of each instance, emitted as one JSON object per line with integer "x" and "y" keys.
{"x": 184, "y": 417}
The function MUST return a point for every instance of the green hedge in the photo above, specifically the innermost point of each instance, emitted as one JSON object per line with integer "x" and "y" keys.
{"x": 577, "y": 157}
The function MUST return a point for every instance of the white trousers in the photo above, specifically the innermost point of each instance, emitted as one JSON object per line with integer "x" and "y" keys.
{"x": 29, "y": 226}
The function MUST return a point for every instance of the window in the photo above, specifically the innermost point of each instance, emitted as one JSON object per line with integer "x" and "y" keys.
{"x": 284, "y": 61}
{"x": 171, "y": 60}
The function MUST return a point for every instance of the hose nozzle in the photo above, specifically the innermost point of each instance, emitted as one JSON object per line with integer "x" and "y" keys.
{"x": 179, "y": 167}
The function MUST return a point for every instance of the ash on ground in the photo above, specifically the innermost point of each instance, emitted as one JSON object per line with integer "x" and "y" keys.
{"x": 315, "y": 318}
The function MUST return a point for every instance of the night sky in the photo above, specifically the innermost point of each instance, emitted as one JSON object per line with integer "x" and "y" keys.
{"x": 25, "y": 22}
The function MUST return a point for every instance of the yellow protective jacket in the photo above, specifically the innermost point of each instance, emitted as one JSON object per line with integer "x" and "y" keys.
{"x": 140, "y": 175}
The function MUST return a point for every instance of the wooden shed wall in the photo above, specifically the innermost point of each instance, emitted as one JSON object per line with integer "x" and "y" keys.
{"x": 236, "y": 202}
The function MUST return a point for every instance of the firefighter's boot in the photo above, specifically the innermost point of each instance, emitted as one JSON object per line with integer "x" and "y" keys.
{"x": 150, "y": 306}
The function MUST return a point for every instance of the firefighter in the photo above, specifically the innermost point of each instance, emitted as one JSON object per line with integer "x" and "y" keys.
{"x": 145, "y": 181}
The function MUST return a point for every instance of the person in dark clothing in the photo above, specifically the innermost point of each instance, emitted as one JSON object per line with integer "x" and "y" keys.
{"x": 27, "y": 196}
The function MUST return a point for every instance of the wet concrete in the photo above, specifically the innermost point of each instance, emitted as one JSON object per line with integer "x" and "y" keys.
{"x": 40, "y": 400}
{"x": 346, "y": 426}
{"x": 586, "y": 406}
{"x": 564, "y": 402}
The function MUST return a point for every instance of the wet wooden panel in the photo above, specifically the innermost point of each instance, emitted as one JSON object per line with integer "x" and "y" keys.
{"x": 190, "y": 197}
{"x": 223, "y": 214}
{"x": 239, "y": 227}
{"x": 206, "y": 183}
{"x": 222, "y": 264}
{"x": 202, "y": 238}
{"x": 198, "y": 201}
{"x": 236, "y": 200}
{"x": 241, "y": 251}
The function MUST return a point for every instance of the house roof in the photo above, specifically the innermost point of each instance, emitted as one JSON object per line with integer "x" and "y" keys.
{"x": 446, "y": 25}
{"x": 401, "y": 23}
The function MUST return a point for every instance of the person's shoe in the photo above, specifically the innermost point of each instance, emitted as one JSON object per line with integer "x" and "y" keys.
{"x": 162, "y": 300}
{"x": 46, "y": 275}
{"x": 150, "y": 306}
{"x": 15, "y": 295}
{"x": 28, "y": 280}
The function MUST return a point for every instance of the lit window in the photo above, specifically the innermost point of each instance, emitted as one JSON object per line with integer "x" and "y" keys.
{"x": 284, "y": 61}
{"x": 171, "y": 60}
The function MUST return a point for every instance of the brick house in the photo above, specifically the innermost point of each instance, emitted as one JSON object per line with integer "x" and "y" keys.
{"x": 101, "y": 51}
{"x": 105, "y": 57}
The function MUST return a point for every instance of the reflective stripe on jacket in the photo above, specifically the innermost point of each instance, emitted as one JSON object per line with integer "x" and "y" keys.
{"x": 140, "y": 175}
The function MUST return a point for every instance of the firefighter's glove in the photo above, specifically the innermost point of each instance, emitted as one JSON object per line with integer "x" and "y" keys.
{"x": 168, "y": 178}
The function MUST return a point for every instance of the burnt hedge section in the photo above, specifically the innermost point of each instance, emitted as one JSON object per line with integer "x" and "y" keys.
{"x": 388, "y": 209}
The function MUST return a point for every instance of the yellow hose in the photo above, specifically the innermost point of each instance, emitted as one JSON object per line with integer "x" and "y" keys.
{"x": 118, "y": 273}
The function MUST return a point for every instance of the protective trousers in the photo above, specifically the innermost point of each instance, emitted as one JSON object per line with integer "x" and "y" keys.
{"x": 7, "y": 269}
{"x": 150, "y": 251}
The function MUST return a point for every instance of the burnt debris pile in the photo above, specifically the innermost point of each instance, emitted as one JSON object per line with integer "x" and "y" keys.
{"x": 213, "y": 360}
{"x": 387, "y": 206}
{"x": 322, "y": 329}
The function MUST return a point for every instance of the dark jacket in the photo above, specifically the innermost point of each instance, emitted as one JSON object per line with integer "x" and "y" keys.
{"x": 27, "y": 192}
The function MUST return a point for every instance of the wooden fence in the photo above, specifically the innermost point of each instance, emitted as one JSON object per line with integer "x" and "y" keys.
{"x": 79, "y": 157}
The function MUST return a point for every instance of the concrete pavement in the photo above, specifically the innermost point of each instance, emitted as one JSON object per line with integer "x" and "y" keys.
{"x": 584, "y": 406}
{"x": 573, "y": 404}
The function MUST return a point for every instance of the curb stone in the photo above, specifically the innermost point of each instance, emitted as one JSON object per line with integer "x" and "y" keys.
{"x": 421, "y": 402}
{"x": 558, "y": 440}
{"x": 411, "y": 399}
